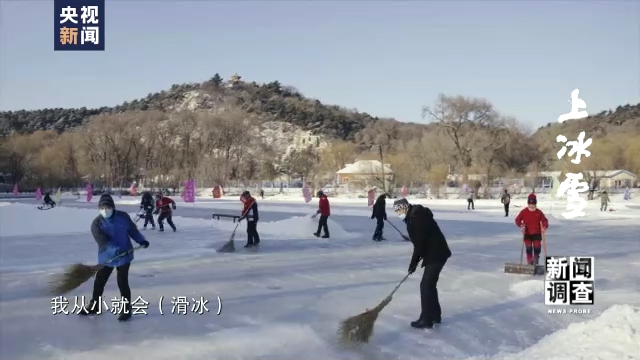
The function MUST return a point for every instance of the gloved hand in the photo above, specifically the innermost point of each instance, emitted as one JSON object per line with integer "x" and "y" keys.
{"x": 144, "y": 244}
{"x": 156, "y": 211}
{"x": 372, "y": 217}
{"x": 412, "y": 268}
{"x": 173, "y": 206}
{"x": 141, "y": 206}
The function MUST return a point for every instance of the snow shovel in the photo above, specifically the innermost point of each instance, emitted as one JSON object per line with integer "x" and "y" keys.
{"x": 524, "y": 269}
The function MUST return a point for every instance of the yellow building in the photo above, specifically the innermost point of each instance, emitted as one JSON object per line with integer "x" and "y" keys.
{"x": 364, "y": 172}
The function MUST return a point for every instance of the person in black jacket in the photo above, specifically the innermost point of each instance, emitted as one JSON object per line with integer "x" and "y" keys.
{"x": 380, "y": 214}
{"x": 148, "y": 204}
{"x": 430, "y": 245}
{"x": 48, "y": 201}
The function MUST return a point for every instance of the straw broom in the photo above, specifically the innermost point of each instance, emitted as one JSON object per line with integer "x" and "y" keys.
{"x": 76, "y": 275}
{"x": 230, "y": 245}
{"x": 359, "y": 328}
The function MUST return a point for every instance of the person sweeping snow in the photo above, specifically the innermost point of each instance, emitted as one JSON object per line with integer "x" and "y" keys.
{"x": 113, "y": 230}
{"x": 533, "y": 223}
{"x": 250, "y": 213}
{"x": 430, "y": 246}
{"x": 380, "y": 214}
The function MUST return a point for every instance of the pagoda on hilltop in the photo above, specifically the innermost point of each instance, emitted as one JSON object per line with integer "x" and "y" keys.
{"x": 234, "y": 79}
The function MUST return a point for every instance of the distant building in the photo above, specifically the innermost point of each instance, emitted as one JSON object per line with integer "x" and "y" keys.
{"x": 365, "y": 173}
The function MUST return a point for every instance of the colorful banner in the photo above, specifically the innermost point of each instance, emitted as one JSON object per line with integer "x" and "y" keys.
{"x": 306, "y": 192}
{"x": 15, "y": 189}
{"x": 89, "y": 190}
{"x": 371, "y": 197}
{"x": 189, "y": 192}
{"x": 217, "y": 192}
{"x": 133, "y": 189}
{"x": 38, "y": 194}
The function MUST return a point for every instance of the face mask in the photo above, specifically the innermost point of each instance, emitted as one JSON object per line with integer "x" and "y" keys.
{"x": 402, "y": 216}
{"x": 106, "y": 213}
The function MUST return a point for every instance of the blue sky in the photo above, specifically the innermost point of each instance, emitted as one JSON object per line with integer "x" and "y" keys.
{"x": 388, "y": 58}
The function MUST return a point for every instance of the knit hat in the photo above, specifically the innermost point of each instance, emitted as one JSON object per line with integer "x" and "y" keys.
{"x": 401, "y": 204}
{"x": 106, "y": 200}
{"x": 532, "y": 199}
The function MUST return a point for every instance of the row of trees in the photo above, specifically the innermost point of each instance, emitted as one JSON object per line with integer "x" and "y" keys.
{"x": 466, "y": 135}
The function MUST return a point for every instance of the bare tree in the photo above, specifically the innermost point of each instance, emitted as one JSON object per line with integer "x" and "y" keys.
{"x": 462, "y": 119}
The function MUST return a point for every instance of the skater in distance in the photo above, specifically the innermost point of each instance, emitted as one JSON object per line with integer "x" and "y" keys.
{"x": 48, "y": 201}
{"x": 325, "y": 211}
{"x": 380, "y": 214}
{"x": 533, "y": 223}
{"x": 505, "y": 199}
{"x": 164, "y": 206}
{"x": 430, "y": 246}
{"x": 147, "y": 204}
{"x": 250, "y": 213}
{"x": 113, "y": 230}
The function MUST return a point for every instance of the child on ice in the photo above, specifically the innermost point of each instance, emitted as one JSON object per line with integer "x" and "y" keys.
{"x": 533, "y": 224}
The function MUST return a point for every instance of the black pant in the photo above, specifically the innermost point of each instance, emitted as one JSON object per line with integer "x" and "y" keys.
{"x": 322, "y": 224}
{"x": 506, "y": 209}
{"x": 429, "y": 301}
{"x": 166, "y": 216}
{"x": 252, "y": 233}
{"x": 377, "y": 234}
{"x": 148, "y": 217}
{"x": 470, "y": 204}
{"x": 102, "y": 276}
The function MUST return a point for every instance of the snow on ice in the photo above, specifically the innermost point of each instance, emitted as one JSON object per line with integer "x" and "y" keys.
{"x": 285, "y": 300}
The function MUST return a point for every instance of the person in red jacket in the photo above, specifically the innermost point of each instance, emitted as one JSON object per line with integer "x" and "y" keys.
{"x": 325, "y": 212}
{"x": 533, "y": 224}
{"x": 250, "y": 213}
{"x": 164, "y": 206}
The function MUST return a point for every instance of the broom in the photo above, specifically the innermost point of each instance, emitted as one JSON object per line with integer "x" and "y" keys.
{"x": 77, "y": 274}
{"x": 405, "y": 237}
{"x": 359, "y": 328}
{"x": 230, "y": 245}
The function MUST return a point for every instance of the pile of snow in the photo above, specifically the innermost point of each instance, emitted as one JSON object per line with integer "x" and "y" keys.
{"x": 613, "y": 335}
{"x": 297, "y": 227}
{"x": 26, "y": 220}
{"x": 529, "y": 287}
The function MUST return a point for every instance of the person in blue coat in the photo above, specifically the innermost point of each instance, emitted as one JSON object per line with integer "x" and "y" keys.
{"x": 113, "y": 230}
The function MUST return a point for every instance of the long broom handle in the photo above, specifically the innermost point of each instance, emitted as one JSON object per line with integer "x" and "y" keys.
{"x": 398, "y": 286}
{"x": 393, "y": 226}
{"x": 123, "y": 254}
{"x": 544, "y": 241}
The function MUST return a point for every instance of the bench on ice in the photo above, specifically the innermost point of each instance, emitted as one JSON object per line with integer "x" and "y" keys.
{"x": 218, "y": 216}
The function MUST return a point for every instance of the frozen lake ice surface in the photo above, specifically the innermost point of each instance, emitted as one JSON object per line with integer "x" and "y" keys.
{"x": 285, "y": 300}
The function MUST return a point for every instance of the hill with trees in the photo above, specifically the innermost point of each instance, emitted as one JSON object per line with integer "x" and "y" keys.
{"x": 235, "y": 131}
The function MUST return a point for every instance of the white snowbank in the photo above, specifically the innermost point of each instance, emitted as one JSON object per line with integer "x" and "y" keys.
{"x": 613, "y": 335}
{"x": 298, "y": 227}
{"x": 25, "y": 220}
{"x": 526, "y": 288}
